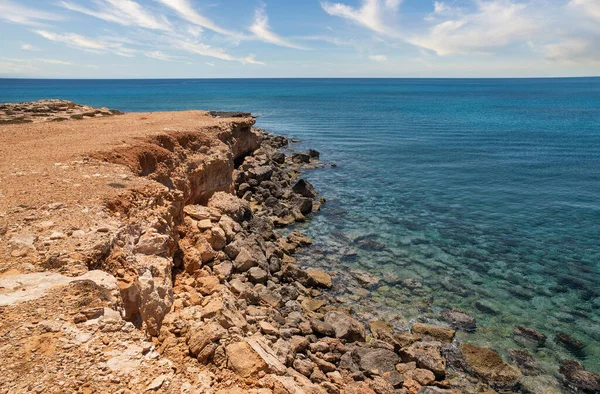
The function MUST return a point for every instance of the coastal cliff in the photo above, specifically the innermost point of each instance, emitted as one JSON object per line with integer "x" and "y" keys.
{"x": 149, "y": 252}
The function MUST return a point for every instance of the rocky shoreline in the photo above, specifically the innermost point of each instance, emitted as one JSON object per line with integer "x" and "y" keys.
{"x": 197, "y": 290}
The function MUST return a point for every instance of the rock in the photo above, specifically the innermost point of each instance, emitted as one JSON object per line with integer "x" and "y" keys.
{"x": 313, "y": 154}
{"x": 525, "y": 335}
{"x": 243, "y": 360}
{"x": 261, "y": 174}
{"x": 311, "y": 304}
{"x": 156, "y": 383}
{"x": 322, "y": 328}
{"x": 156, "y": 291}
{"x": 154, "y": 244}
{"x": 261, "y": 346}
{"x": 442, "y": 334}
{"x": 208, "y": 285}
{"x": 299, "y": 344}
{"x": 427, "y": 355}
{"x": 318, "y": 278}
{"x": 486, "y": 307}
{"x": 204, "y": 224}
{"x": 305, "y": 189}
{"x": 305, "y": 367}
{"x": 379, "y": 362}
{"x": 234, "y": 207}
{"x": 345, "y": 326}
{"x": 200, "y": 212}
{"x": 579, "y": 378}
{"x": 300, "y": 158}
{"x": 267, "y": 328}
{"x": 459, "y": 320}
{"x": 405, "y": 339}
{"x": 383, "y": 331}
{"x": 436, "y": 390}
{"x": 257, "y": 275}
{"x": 422, "y": 376}
{"x": 246, "y": 259}
{"x": 570, "y": 343}
{"x": 278, "y": 157}
{"x": 223, "y": 270}
{"x": 525, "y": 361}
{"x": 365, "y": 279}
{"x": 488, "y": 365}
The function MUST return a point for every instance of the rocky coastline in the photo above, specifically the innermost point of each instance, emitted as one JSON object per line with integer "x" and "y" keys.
{"x": 190, "y": 285}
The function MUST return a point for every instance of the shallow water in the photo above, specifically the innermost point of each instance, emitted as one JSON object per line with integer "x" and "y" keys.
{"x": 479, "y": 190}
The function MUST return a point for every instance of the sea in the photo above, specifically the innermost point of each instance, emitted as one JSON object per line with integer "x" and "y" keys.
{"x": 476, "y": 194}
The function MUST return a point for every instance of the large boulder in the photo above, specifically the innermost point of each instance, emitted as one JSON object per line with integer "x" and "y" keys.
{"x": 442, "y": 334}
{"x": 202, "y": 339}
{"x": 427, "y": 355}
{"x": 156, "y": 290}
{"x": 577, "y": 377}
{"x": 380, "y": 362}
{"x": 305, "y": 189}
{"x": 346, "y": 327}
{"x": 234, "y": 207}
{"x": 488, "y": 365}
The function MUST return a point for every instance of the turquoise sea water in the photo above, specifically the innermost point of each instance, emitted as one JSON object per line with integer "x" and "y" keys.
{"x": 479, "y": 190}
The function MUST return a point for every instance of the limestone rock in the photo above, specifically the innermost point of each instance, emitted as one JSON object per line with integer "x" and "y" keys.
{"x": 427, "y": 355}
{"x": 234, "y": 207}
{"x": 442, "y": 334}
{"x": 487, "y": 364}
{"x": 346, "y": 327}
{"x": 156, "y": 291}
{"x": 243, "y": 360}
{"x": 304, "y": 188}
{"x": 318, "y": 278}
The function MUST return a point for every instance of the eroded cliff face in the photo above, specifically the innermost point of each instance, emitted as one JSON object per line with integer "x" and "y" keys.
{"x": 191, "y": 167}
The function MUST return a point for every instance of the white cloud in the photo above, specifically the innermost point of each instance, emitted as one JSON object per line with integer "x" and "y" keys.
{"x": 590, "y": 7}
{"x": 261, "y": 30}
{"x": 123, "y": 12}
{"x": 369, "y": 15}
{"x": 574, "y": 50}
{"x": 29, "y": 47}
{"x": 202, "y": 49}
{"x": 209, "y": 64}
{"x": 378, "y": 58}
{"x": 16, "y": 13}
{"x": 89, "y": 44}
{"x": 185, "y": 10}
{"x": 494, "y": 24}
{"x": 158, "y": 55}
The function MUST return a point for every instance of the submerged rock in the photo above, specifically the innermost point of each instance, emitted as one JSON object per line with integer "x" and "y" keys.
{"x": 442, "y": 334}
{"x": 572, "y": 344}
{"x": 577, "y": 377}
{"x": 488, "y": 365}
{"x": 525, "y": 361}
{"x": 525, "y": 335}
{"x": 459, "y": 319}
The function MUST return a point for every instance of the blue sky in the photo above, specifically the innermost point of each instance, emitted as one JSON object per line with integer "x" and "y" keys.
{"x": 302, "y": 38}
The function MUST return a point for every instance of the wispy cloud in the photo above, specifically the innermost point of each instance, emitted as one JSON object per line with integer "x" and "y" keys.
{"x": 123, "y": 12}
{"x": 378, "y": 58}
{"x": 22, "y": 15}
{"x": 89, "y": 44}
{"x": 29, "y": 47}
{"x": 369, "y": 15}
{"x": 202, "y": 49}
{"x": 185, "y": 10}
{"x": 493, "y": 24}
{"x": 574, "y": 50}
{"x": 261, "y": 30}
{"x": 158, "y": 55}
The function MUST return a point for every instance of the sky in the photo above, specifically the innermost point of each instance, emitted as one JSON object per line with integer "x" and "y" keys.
{"x": 298, "y": 38}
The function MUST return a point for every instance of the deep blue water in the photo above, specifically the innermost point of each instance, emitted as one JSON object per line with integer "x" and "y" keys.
{"x": 478, "y": 189}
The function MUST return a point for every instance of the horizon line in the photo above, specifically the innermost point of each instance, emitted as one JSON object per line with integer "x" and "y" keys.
{"x": 282, "y": 78}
